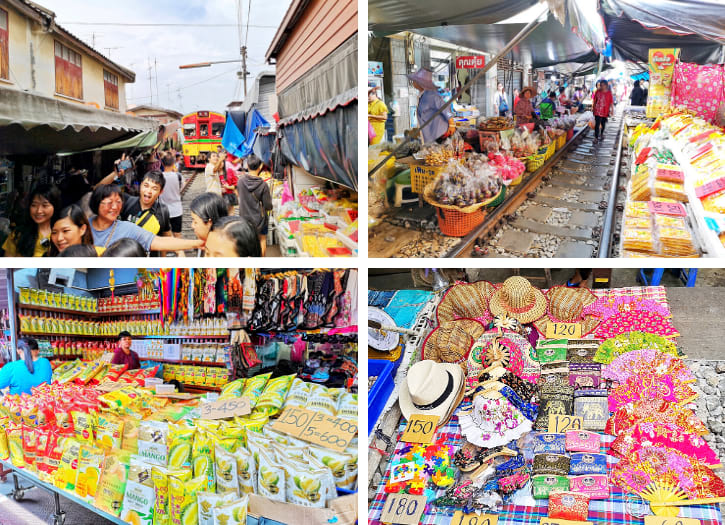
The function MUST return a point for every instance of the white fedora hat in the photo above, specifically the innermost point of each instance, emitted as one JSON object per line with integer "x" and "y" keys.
{"x": 433, "y": 389}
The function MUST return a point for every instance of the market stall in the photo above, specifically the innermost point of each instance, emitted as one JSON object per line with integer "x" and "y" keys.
{"x": 216, "y": 422}
{"x": 523, "y": 405}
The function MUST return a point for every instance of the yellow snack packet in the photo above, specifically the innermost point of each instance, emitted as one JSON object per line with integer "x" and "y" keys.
{"x": 67, "y": 473}
{"x": 202, "y": 458}
{"x": 160, "y": 480}
{"x": 181, "y": 438}
{"x": 232, "y": 513}
{"x": 227, "y": 479}
{"x": 90, "y": 463}
{"x": 139, "y": 496}
{"x": 183, "y": 506}
{"x": 232, "y": 389}
{"x": 15, "y": 444}
{"x": 254, "y": 387}
{"x": 275, "y": 392}
{"x": 208, "y": 502}
{"x": 246, "y": 471}
{"x": 112, "y": 486}
{"x": 129, "y": 441}
{"x": 109, "y": 432}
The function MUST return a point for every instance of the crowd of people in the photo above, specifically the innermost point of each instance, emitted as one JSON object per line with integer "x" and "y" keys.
{"x": 125, "y": 215}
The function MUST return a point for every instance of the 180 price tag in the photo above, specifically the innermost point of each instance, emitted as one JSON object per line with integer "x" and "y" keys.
{"x": 566, "y": 330}
{"x": 459, "y": 518}
{"x": 403, "y": 508}
{"x": 420, "y": 429}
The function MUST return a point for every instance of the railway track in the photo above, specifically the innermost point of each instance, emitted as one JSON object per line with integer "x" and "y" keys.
{"x": 558, "y": 211}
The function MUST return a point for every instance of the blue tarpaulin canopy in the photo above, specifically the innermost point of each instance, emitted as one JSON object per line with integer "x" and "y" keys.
{"x": 240, "y": 131}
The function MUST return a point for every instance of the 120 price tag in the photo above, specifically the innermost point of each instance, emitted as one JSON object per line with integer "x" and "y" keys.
{"x": 459, "y": 518}
{"x": 421, "y": 429}
{"x": 556, "y": 521}
{"x": 566, "y": 330}
{"x": 558, "y": 423}
{"x": 403, "y": 508}
{"x": 659, "y": 520}
{"x": 225, "y": 408}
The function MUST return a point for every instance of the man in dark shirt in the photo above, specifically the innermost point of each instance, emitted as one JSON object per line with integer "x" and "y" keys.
{"x": 123, "y": 354}
{"x": 145, "y": 210}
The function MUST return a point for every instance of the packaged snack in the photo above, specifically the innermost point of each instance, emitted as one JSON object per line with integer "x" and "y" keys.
{"x": 83, "y": 426}
{"x": 347, "y": 406}
{"x": 139, "y": 497}
{"x": 15, "y": 443}
{"x": 109, "y": 431}
{"x": 275, "y": 391}
{"x": 272, "y": 482}
{"x": 232, "y": 389}
{"x": 181, "y": 438}
{"x": 571, "y": 506}
{"x": 208, "y": 501}
{"x": 53, "y": 453}
{"x": 298, "y": 394}
{"x": 342, "y": 465}
{"x": 91, "y": 370}
{"x": 160, "y": 480}
{"x": 202, "y": 458}
{"x": 90, "y": 463}
{"x": 152, "y": 437}
{"x": 4, "y": 447}
{"x": 183, "y": 506}
{"x": 254, "y": 387}
{"x": 227, "y": 479}
{"x": 232, "y": 513}
{"x": 112, "y": 486}
{"x": 304, "y": 484}
{"x": 67, "y": 473}
{"x": 129, "y": 443}
{"x": 321, "y": 400}
{"x": 30, "y": 445}
{"x": 246, "y": 470}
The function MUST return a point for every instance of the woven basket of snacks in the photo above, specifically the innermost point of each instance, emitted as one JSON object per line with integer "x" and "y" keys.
{"x": 534, "y": 162}
{"x": 455, "y": 221}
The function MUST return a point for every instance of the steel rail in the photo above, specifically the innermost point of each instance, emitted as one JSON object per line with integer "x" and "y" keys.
{"x": 605, "y": 241}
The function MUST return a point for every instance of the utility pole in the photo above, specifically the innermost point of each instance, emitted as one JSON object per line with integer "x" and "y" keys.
{"x": 156, "y": 74}
{"x": 151, "y": 91}
{"x": 244, "y": 69}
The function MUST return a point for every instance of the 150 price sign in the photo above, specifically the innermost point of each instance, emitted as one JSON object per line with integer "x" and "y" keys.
{"x": 317, "y": 428}
{"x": 420, "y": 429}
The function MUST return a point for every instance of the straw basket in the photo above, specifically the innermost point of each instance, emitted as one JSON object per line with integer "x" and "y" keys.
{"x": 459, "y": 222}
{"x": 534, "y": 162}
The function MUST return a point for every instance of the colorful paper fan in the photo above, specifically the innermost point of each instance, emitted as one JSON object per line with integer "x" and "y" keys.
{"x": 649, "y": 385}
{"x": 639, "y": 361}
{"x": 630, "y": 341}
{"x": 606, "y": 307}
{"x": 623, "y": 322}
{"x": 654, "y": 410}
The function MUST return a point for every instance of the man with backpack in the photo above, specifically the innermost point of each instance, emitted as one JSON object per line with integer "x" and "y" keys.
{"x": 145, "y": 210}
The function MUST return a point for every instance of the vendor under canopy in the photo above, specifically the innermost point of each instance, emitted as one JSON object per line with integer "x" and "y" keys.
{"x": 428, "y": 103}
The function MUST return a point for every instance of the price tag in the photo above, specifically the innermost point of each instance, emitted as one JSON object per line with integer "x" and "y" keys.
{"x": 556, "y": 521}
{"x": 459, "y": 518}
{"x": 701, "y": 136}
{"x": 670, "y": 175}
{"x": 317, "y": 428}
{"x": 566, "y": 330}
{"x": 225, "y": 408}
{"x": 403, "y": 508}
{"x": 558, "y": 423}
{"x": 676, "y": 209}
{"x": 659, "y": 520}
{"x": 421, "y": 429}
{"x": 710, "y": 188}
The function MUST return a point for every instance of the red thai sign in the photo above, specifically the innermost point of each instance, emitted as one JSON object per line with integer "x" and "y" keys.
{"x": 470, "y": 62}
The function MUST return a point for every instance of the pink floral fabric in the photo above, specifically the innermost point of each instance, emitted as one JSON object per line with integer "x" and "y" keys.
{"x": 648, "y": 322}
{"x": 639, "y": 361}
{"x": 698, "y": 88}
{"x": 606, "y": 307}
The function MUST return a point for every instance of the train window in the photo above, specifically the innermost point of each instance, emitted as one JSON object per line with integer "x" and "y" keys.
{"x": 217, "y": 128}
{"x": 204, "y": 130}
{"x": 189, "y": 130}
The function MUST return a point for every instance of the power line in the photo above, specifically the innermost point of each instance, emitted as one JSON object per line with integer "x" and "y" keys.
{"x": 126, "y": 24}
{"x": 249, "y": 9}
{"x": 190, "y": 85}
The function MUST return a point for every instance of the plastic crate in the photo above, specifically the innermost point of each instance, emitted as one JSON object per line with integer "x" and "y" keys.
{"x": 381, "y": 389}
{"x": 458, "y": 224}
{"x": 534, "y": 162}
{"x": 561, "y": 141}
{"x": 420, "y": 175}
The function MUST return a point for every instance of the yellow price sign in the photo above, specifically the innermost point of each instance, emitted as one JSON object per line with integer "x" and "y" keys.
{"x": 565, "y": 330}
{"x": 558, "y": 423}
{"x": 459, "y": 518}
{"x": 420, "y": 429}
{"x": 403, "y": 508}
{"x": 556, "y": 521}
{"x": 659, "y": 520}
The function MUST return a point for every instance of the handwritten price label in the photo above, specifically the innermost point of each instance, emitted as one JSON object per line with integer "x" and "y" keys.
{"x": 403, "y": 508}
{"x": 317, "y": 428}
{"x": 459, "y": 518}
{"x": 567, "y": 330}
{"x": 710, "y": 188}
{"x": 421, "y": 429}
{"x": 556, "y": 521}
{"x": 558, "y": 424}
{"x": 225, "y": 408}
{"x": 676, "y": 209}
{"x": 658, "y": 520}
{"x": 670, "y": 175}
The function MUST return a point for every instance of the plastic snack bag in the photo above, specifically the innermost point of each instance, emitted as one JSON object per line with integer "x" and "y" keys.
{"x": 272, "y": 478}
{"x": 305, "y": 485}
{"x": 233, "y": 513}
{"x": 246, "y": 471}
{"x": 109, "y": 431}
{"x": 322, "y": 400}
{"x": 254, "y": 387}
{"x": 67, "y": 473}
{"x": 208, "y": 501}
{"x": 298, "y": 394}
{"x": 152, "y": 438}
{"x": 90, "y": 463}
{"x": 112, "y": 486}
{"x": 347, "y": 406}
{"x": 139, "y": 496}
{"x": 232, "y": 389}
{"x": 183, "y": 506}
{"x": 129, "y": 441}
{"x": 202, "y": 458}
{"x": 181, "y": 439}
{"x": 272, "y": 399}
{"x": 227, "y": 479}
{"x": 160, "y": 480}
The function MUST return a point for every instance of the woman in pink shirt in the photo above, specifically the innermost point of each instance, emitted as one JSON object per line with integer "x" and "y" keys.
{"x": 602, "y": 103}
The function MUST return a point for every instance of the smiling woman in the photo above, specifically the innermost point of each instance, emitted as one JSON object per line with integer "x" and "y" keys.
{"x": 31, "y": 236}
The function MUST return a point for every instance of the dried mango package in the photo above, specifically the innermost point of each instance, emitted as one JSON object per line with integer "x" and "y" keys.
{"x": 65, "y": 476}
{"x": 90, "y": 464}
{"x": 139, "y": 496}
{"x": 83, "y": 426}
{"x": 109, "y": 432}
{"x": 208, "y": 501}
{"x": 152, "y": 437}
{"x": 15, "y": 442}
{"x": 112, "y": 486}
{"x": 233, "y": 513}
{"x": 225, "y": 469}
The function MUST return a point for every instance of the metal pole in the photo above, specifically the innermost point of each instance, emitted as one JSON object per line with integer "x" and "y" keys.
{"x": 12, "y": 312}
{"x": 606, "y": 240}
{"x": 526, "y": 31}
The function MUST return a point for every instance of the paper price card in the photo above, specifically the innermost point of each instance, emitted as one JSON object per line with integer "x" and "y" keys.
{"x": 421, "y": 429}
{"x": 556, "y": 521}
{"x": 459, "y": 518}
{"x": 710, "y": 188}
{"x": 566, "y": 330}
{"x": 675, "y": 209}
{"x": 558, "y": 423}
{"x": 659, "y": 520}
{"x": 317, "y": 428}
{"x": 225, "y": 408}
{"x": 403, "y": 508}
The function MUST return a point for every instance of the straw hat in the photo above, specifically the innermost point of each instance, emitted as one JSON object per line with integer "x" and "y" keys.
{"x": 451, "y": 341}
{"x": 519, "y": 299}
{"x": 424, "y": 78}
{"x": 465, "y": 300}
{"x": 566, "y": 305}
{"x": 431, "y": 388}
{"x": 529, "y": 89}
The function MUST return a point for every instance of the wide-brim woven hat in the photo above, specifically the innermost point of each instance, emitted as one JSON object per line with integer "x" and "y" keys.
{"x": 424, "y": 78}
{"x": 519, "y": 299}
{"x": 432, "y": 388}
{"x": 451, "y": 341}
{"x": 566, "y": 305}
{"x": 465, "y": 300}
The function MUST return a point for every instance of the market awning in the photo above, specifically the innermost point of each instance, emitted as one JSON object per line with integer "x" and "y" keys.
{"x": 549, "y": 44}
{"x": 33, "y": 124}
{"x": 240, "y": 131}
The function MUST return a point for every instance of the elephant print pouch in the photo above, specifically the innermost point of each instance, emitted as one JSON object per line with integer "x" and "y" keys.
{"x": 571, "y": 506}
{"x": 583, "y": 441}
{"x": 586, "y": 463}
{"x": 543, "y": 485}
{"x": 593, "y": 409}
{"x": 582, "y": 350}
{"x": 596, "y": 486}
{"x": 554, "y": 399}
{"x": 585, "y": 375}
{"x": 554, "y": 464}
{"x": 554, "y": 443}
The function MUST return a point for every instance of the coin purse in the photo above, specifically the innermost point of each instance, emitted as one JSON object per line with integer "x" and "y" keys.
{"x": 554, "y": 443}
{"x": 543, "y": 485}
{"x": 585, "y": 375}
{"x": 551, "y": 351}
{"x": 554, "y": 464}
{"x": 596, "y": 486}
{"x": 583, "y": 441}
{"x": 592, "y": 406}
{"x": 586, "y": 463}
{"x": 571, "y": 506}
